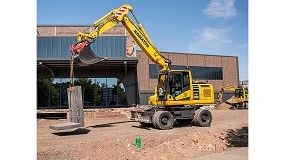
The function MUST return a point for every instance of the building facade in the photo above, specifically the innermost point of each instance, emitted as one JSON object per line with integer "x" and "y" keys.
{"x": 215, "y": 69}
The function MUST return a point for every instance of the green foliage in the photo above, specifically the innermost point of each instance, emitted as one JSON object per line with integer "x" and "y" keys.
{"x": 45, "y": 90}
{"x": 91, "y": 92}
{"x": 49, "y": 93}
{"x": 98, "y": 93}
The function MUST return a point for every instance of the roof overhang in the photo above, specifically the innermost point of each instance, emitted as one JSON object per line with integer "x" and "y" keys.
{"x": 60, "y": 68}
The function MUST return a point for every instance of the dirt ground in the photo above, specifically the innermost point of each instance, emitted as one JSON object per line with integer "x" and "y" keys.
{"x": 111, "y": 135}
{"x": 223, "y": 106}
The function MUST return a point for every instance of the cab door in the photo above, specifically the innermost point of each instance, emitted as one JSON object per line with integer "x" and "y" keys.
{"x": 179, "y": 83}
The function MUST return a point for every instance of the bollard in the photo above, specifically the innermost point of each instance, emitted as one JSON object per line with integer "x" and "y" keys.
{"x": 138, "y": 142}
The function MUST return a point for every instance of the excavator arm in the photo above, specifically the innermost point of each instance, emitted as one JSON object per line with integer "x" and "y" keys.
{"x": 111, "y": 19}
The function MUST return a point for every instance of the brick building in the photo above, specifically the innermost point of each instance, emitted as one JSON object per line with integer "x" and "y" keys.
{"x": 216, "y": 69}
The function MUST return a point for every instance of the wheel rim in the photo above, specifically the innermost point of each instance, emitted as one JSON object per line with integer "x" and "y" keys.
{"x": 164, "y": 120}
{"x": 205, "y": 117}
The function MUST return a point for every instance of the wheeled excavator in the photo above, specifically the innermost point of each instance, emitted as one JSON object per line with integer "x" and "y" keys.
{"x": 176, "y": 97}
{"x": 240, "y": 98}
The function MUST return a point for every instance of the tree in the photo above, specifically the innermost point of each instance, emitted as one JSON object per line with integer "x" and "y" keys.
{"x": 87, "y": 89}
{"x": 98, "y": 93}
{"x": 48, "y": 95}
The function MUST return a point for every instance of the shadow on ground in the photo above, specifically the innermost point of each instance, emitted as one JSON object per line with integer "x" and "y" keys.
{"x": 78, "y": 131}
{"x": 150, "y": 126}
{"x": 178, "y": 125}
{"x": 108, "y": 124}
{"x": 143, "y": 127}
{"x": 238, "y": 137}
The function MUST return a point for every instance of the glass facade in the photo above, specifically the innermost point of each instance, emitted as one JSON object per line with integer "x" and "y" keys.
{"x": 58, "y": 47}
{"x": 52, "y": 92}
{"x": 96, "y": 92}
{"x": 207, "y": 73}
{"x": 198, "y": 72}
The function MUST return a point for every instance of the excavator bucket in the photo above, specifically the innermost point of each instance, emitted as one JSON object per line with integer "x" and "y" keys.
{"x": 88, "y": 57}
{"x": 84, "y": 54}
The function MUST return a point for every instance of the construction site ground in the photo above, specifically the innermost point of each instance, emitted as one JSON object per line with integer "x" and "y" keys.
{"x": 109, "y": 134}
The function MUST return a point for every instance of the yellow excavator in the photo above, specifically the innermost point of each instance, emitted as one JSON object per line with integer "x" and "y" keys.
{"x": 176, "y": 97}
{"x": 239, "y": 100}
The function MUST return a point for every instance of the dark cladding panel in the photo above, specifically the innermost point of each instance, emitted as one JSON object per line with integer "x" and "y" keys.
{"x": 198, "y": 73}
{"x": 153, "y": 71}
{"x": 65, "y": 44}
{"x": 206, "y": 73}
{"x": 110, "y": 46}
{"x": 41, "y": 47}
{"x": 58, "y": 47}
{"x": 176, "y": 67}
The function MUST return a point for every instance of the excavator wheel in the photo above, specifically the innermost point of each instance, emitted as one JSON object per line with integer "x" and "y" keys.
{"x": 154, "y": 117}
{"x": 244, "y": 105}
{"x": 163, "y": 120}
{"x": 202, "y": 118}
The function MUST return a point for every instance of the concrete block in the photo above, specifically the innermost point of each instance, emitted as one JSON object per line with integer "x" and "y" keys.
{"x": 64, "y": 126}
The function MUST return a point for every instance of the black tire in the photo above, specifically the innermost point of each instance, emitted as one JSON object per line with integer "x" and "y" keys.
{"x": 246, "y": 106}
{"x": 202, "y": 118}
{"x": 163, "y": 120}
{"x": 153, "y": 120}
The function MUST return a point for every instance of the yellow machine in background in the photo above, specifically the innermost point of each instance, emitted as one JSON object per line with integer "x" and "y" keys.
{"x": 176, "y": 96}
{"x": 239, "y": 100}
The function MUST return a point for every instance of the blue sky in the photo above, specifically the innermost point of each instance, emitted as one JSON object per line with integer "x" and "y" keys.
{"x": 218, "y": 27}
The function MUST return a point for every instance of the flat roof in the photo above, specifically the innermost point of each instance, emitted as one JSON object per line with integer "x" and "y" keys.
{"x": 195, "y": 54}
{"x": 113, "y": 61}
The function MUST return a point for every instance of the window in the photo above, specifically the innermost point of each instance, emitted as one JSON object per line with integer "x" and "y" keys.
{"x": 153, "y": 71}
{"x": 186, "y": 80}
{"x": 176, "y": 84}
{"x": 198, "y": 72}
{"x": 206, "y": 73}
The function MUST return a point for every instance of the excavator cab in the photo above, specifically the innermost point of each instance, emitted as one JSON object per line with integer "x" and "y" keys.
{"x": 239, "y": 93}
{"x": 84, "y": 54}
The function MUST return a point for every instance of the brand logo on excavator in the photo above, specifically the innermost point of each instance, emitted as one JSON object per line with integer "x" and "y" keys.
{"x": 143, "y": 40}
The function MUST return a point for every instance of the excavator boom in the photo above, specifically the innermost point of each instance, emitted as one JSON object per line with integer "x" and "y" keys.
{"x": 110, "y": 20}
